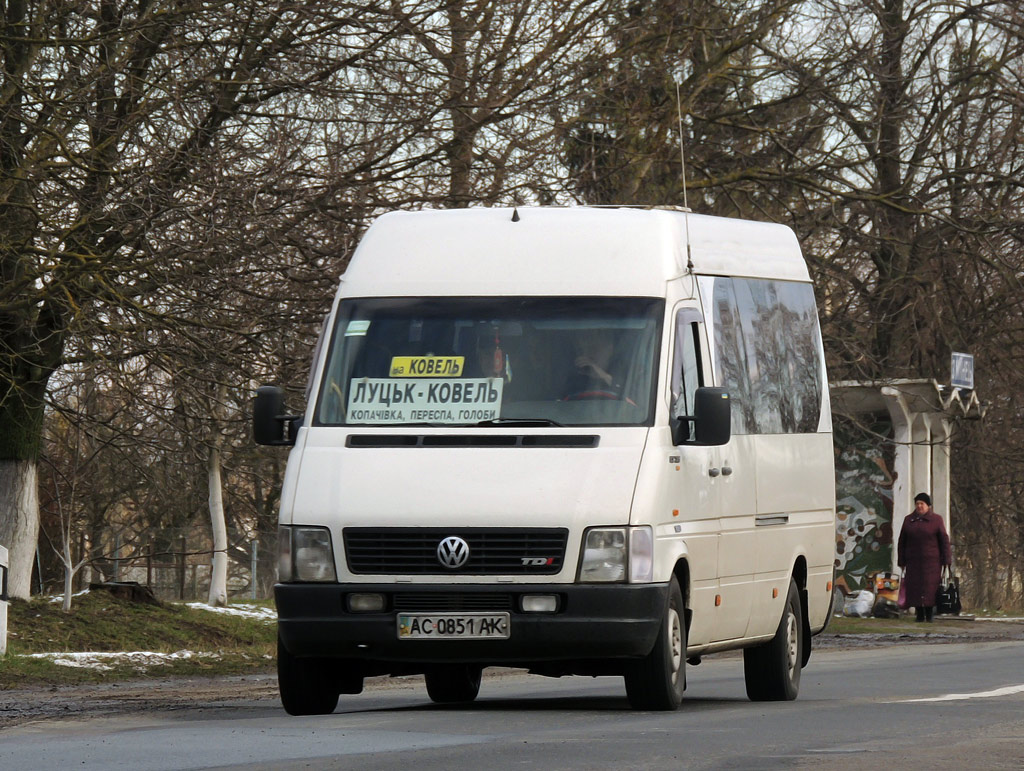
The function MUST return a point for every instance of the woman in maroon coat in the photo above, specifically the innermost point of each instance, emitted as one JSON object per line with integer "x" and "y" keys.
{"x": 923, "y": 551}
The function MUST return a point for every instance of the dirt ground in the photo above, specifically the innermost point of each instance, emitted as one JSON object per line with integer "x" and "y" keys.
{"x": 945, "y": 629}
{"x": 29, "y": 704}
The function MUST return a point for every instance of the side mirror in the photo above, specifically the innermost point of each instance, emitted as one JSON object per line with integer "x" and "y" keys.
{"x": 269, "y": 426}
{"x": 713, "y": 416}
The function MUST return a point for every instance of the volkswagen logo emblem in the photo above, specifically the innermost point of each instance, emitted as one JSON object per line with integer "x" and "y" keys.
{"x": 453, "y": 552}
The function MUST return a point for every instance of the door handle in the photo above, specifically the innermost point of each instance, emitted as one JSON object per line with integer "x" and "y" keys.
{"x": 726, "y": 471}
{"x": 713, "y": 472}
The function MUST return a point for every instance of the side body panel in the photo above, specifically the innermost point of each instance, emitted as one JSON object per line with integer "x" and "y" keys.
{"x": 795, "y": 518}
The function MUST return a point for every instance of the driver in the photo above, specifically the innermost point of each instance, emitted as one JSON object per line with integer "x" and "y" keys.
{"x": 593, "y": 350}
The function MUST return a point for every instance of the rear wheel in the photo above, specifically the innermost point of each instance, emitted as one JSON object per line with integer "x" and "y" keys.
{"x": 453, "y": 683}
{"x": 309, "y": 686}
{"x": 657, "y": 681}
{"x": 772, "y": 670}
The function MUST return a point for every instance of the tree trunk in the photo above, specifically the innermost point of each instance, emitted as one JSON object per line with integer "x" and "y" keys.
{"x": 461, "y": 108}
{"x": 218, "y": 597}
{"x": 69, "y": 578}
{"x": 219, "y": 573}
{"x": 19, "y": 522}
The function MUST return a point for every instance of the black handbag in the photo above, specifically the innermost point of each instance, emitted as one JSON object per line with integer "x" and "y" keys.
{"x": 947, "y": 601}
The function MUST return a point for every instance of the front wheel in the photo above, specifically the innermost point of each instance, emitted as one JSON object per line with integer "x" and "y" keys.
{"x": 772, "y": 670}
{"x": 657, "y": 681}
{"x": 307, "y": 686}
{"x": 453, "y": 683}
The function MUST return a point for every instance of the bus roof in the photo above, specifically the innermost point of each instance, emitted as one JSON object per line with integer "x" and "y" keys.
{"x": 561, "y": 251}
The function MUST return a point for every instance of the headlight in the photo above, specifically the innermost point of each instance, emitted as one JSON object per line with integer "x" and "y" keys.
{"x": 604, "y": 555}
{"x": 610, "y": 554}
{"x": 305, "y": 554}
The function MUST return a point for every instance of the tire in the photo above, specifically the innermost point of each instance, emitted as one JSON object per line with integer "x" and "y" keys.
{"x": 657, "y": 681}
{"x": 307, "y": 686}
{"x": 772, "y": 670}
{"x": 453, "y": 683}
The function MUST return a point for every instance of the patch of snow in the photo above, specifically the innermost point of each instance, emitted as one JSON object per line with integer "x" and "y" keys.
{"x": 240, "y": 609}
{"x": 95, "y": 659}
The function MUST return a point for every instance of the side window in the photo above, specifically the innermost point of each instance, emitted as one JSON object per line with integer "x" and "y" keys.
{"x": 686, "y": 365}
{"x": 731, "y": 357}
{"x": 764, "y": 334}
{"x": 803, "y": 359}
{"x": 767, "y": 351}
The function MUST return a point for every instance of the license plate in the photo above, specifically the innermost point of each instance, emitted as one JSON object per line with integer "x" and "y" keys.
{"x": 453, "y": 626}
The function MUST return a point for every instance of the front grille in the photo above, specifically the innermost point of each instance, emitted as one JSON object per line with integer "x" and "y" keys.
{"x": 432, "y": 602}
{"x": 413, "y": 550}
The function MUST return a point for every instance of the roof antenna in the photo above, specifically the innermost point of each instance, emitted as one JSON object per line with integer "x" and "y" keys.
{"x": 682, "y": 155}
{"x": 515, "y": 214}
{"x": 682, "y": 160}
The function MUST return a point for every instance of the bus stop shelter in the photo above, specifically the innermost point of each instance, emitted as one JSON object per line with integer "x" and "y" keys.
{"x": 892, "y": 441}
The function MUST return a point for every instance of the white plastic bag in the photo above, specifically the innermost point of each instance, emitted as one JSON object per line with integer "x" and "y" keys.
{"x": 859, "y": 604}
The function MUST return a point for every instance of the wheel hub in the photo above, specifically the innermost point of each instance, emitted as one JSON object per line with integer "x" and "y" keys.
{"x": 792, "y": 654}
{"x": 676, "y": 641}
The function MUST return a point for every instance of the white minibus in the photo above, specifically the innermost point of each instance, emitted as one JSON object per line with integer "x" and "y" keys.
{"x": 583, "y": 440}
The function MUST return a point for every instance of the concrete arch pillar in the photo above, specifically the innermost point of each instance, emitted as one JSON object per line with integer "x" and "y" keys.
{"x": 903, "y": 438}
{"x": 921, "y": 453}
{"x": 941, "y": 434}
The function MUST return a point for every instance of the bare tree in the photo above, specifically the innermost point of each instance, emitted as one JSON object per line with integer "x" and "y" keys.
{"x": 690, "y": 79}
{"x": 487, "y": 84}
{"x": 914, "y": 222}
{"x": 913, "y": 194}
{"x": 68, "y": 475}
{"x": 887, "y": 134}
{"x": 109, "y": 114}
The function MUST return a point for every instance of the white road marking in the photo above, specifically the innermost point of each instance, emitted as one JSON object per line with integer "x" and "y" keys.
{"x": 1006, "y": 691}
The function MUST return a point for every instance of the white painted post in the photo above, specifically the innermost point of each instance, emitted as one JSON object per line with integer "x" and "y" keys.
{"x": 921, "y": 453}
{"x": 901, "y": 490}
{"x": 3, "y": 600}
{"x": 941, "y": 499}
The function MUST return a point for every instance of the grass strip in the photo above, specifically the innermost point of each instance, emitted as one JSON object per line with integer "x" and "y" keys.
{"x": 99, "y": 621}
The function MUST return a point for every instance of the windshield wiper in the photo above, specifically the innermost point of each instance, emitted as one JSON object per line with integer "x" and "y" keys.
{"x": 519, "y": 422}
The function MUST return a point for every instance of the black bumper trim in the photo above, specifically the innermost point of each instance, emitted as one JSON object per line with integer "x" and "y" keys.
{"x": 594, "y": 622}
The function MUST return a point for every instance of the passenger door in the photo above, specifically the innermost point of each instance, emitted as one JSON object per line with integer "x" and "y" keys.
{"x": 735, "y": 465}
{"x": 693, "y": 488}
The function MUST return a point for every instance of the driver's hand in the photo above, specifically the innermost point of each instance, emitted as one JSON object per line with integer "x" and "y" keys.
{"x": 587, "y": 364}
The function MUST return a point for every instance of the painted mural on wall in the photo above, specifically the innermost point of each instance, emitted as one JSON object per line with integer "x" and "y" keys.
{"x": 864, "y": 484}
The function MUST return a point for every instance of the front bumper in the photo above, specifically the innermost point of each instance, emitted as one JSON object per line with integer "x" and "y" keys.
{"x": 594, "y": 622}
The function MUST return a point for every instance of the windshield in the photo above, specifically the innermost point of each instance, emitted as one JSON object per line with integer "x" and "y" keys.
{"x": 566, "y": 361}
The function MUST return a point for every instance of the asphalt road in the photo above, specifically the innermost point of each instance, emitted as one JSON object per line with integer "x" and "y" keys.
{"x": 951, "y": 706}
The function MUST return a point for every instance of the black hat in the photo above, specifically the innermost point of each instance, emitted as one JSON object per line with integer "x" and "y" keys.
{"x": 923, "y": 497}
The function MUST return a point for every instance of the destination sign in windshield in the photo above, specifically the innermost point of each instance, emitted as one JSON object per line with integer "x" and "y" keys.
{"x": 427, "y": 366}
{"x": 423, "y": 400}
